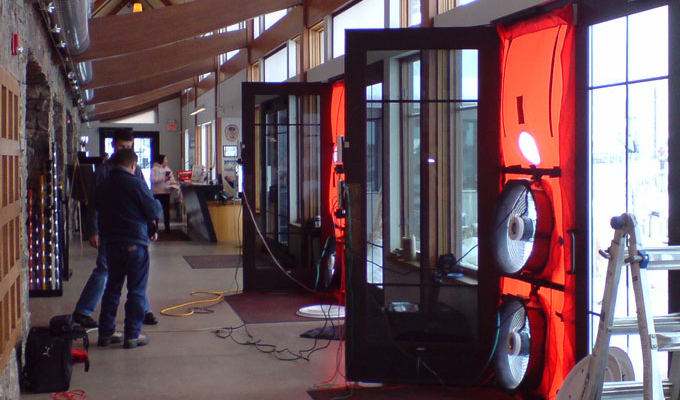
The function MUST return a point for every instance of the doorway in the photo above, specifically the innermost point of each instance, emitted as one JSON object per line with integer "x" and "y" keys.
{"x": 146, "y": 146}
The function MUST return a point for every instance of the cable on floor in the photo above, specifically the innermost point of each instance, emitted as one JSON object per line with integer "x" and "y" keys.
{"x": 219, "y": 297}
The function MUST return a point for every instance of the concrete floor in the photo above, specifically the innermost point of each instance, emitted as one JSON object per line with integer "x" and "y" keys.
{"x": 185, "y": 359}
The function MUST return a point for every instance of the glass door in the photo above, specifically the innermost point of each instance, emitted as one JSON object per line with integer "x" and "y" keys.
{"x": 417, "y": 101}
{"x": 629, "y": 132}
{"x": 145, "y": 145}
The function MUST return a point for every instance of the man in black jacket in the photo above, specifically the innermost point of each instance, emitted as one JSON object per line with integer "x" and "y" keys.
{"x": 125, "y": 206}
{"x": 94, "y": 288}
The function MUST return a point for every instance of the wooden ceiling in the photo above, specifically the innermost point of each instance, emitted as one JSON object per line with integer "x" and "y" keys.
{"x": 141, "y": 59}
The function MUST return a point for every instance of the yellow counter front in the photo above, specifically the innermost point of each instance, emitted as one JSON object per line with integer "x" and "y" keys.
{"x": 227, "y": 217}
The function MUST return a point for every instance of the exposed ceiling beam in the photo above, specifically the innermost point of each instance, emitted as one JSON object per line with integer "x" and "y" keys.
{"x": 233, "y": 65}
{"x": 317, "y": 9}
{"x": 286, "y": 28}
{"x": 137, "y": 66}
{"x": 124, "y": 90}
{"x": 131, "y": 110}
{"x": 132, "y": 32}
{"x": 167, "y": 2}
{"x": 116, "y": 105}
{"x": 116, "y": 9}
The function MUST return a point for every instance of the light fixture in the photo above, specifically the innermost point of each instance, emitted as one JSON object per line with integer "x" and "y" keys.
{"x": 136, "y": 7}
{"x": 528, "y": 147}
{"x": 198, "y": 110}
{"x": 56, "y": 29}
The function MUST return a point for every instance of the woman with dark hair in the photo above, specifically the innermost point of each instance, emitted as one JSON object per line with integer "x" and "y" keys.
{"x": 163, "y": 184}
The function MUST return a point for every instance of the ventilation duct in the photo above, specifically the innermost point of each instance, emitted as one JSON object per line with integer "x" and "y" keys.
{"x": 71, "y": 16}
{"x": 84, "y": 72}
{"x": 88, "y": 95}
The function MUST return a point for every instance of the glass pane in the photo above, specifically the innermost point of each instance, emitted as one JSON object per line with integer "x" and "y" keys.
{"x": 414, "y": 17}
{"x": 276, "y": 66}
{"x": 469, "y": 70}
{"x": 272, "y": 18}
{"x": 608, "y": 52}
{"x": 648, "y": 44}
{"x": 282, "y": 181}
{"x": 411, "y": 151}
{"x": 366, "y": 14}
{"x": 374, "y": 198}
{"x": 608, "y": 135}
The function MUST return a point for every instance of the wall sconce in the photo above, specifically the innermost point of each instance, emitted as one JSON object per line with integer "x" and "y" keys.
{"x": 198, "y": 110}
{"x": 136, "y": 7}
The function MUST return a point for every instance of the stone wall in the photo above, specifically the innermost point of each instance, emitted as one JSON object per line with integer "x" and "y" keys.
{"x": 50, "y": 110}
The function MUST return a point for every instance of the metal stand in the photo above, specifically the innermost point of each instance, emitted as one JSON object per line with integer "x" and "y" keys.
{"x": 660, "y": 333}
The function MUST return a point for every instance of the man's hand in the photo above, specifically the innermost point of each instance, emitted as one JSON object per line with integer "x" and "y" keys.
{"x": 94, "y": 241}
{"x": 154, "y": 237}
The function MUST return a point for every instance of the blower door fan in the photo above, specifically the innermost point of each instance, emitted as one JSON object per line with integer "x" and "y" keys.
{"x": 518, "y": 359}
{"x": 522, "y": 225}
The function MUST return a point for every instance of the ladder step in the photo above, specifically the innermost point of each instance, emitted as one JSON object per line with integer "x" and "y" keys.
{"x": 630, "y": 390}
{"x": 661, "y": 258}
{"x": 662, "y": 324}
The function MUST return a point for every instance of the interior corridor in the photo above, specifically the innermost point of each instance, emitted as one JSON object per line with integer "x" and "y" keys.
{"x": 185, "y": 359}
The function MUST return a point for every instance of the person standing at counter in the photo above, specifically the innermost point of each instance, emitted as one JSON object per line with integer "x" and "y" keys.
{"x": 163, "y": 184}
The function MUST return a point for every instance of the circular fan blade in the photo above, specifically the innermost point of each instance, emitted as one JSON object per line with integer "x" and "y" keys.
{"x": 517, "y": 358}
{"x": 523, "y": 223}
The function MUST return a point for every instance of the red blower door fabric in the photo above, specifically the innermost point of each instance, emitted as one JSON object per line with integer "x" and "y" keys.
{"x": 537, "y": 105}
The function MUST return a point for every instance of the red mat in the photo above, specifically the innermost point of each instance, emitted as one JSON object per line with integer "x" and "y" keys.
{"x": 254, "y": 308}
{"x": 411, "y": 393}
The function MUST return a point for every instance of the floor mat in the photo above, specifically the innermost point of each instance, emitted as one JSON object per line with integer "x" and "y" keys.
{"x": 214, "y": 261}
{"x": 173, "y": 235}
{"x": 256, "y": 308}
{"x": 410, "y": 393}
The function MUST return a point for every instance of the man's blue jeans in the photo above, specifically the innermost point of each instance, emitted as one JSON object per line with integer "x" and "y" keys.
{"x": 131, "y": 261}
{"x": 94, "y": 288}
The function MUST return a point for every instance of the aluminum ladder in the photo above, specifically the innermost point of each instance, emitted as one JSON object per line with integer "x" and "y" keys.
{"x": 661, "y": 333}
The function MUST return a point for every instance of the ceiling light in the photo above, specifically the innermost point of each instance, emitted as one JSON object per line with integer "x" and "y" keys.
{"x": 528, "y": 147}
{"x": 136, "y": 7}
{"x": 198, "y": 110}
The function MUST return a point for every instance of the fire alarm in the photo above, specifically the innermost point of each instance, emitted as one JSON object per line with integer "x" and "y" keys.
{"x": 16, "y": 45}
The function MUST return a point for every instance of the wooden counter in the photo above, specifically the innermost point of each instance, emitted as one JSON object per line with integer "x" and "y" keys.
{"x": 227, "y": 217}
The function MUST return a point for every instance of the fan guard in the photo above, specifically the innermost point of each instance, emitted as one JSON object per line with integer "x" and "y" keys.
{"x": 523, "y": 223}
{"x": 518, "y": 359}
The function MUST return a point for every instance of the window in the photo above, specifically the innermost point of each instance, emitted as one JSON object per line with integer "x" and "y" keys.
{"x": 255, "y": 72}
{"x": 374, "y": 181}
{"x": 317, "y": 47}
{"x": 366, "y": 14}
{"x": 411, "y": 13}
{"x": 149, "y": 116}
{"x": 628, "y": 95}
{"x": 293, "y": 54}
{"x": 410, "y": 149}
{"x": 264, "y": 22}
{"x": 457, "y": 155}
{"x": 276, "y": 66}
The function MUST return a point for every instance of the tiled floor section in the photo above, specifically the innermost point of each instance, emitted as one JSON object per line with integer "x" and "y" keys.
{"x": 185, "y": 359}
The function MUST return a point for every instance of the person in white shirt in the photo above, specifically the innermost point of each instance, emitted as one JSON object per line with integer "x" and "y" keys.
{"x": 163, "y": 184}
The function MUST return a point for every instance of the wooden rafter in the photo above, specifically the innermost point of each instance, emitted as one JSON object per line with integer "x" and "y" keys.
{"x": 130, "y": 110}
{"x": 234, "y": 65}
{"x": 166, "y": 2}
{"x": 147, "y": 97}
{"x": 286, "y": 28}
{"x": 128, "y": 89}
{"x": 317, "y": 9}
{"x": 137, "y": 66}
{"x": 145, "y": 30}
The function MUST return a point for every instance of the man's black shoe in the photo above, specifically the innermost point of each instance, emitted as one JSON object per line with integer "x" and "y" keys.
{"x": 83, "y": 320}
{"x": 104, "y": 341}
{"x": 141, "y": 340}
{"x": 150, "y": 319}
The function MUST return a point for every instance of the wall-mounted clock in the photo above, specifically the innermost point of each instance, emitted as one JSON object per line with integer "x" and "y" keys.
{"x": 231, "y": 133}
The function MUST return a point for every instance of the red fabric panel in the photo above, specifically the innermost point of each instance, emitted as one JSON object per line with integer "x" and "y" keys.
{"x": 538, "y": 97}
{"x": 333, "y": 177}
